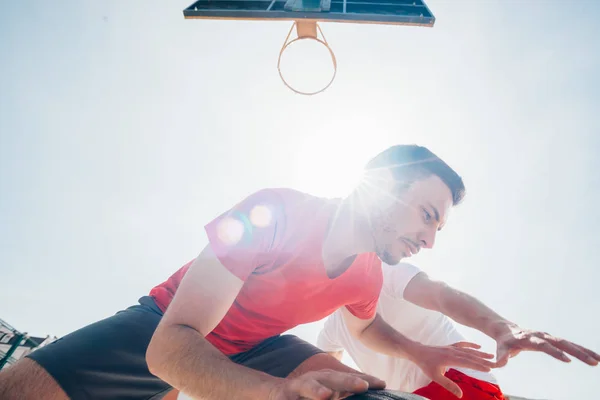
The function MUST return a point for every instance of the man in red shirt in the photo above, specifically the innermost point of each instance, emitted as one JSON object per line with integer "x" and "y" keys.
{"x": 277, "y": 259}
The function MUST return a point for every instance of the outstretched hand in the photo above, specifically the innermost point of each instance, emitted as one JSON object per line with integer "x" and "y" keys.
{"x": 435, "y": 360}
{"x": 512, "y": 343}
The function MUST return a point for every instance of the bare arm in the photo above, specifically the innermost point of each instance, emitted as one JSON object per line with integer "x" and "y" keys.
{"x": 461, "y": 307}
{"x": 379, "y": 336}
{"x": 179, "y": 353}
{"x": 469, "y": 311}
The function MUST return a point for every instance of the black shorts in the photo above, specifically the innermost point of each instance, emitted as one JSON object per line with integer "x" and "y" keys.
{"x": 107, "y": 359}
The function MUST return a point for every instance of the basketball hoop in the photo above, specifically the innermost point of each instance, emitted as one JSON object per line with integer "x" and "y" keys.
{"x": 306, "y": 15}
{"x": 306, "y": 30}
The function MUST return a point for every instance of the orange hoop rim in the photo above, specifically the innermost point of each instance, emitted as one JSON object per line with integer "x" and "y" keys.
{"x": 323, "y": 41}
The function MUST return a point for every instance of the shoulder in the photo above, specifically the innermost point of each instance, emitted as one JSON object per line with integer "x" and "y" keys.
{"x": 272, "y": 205}
{"x": 287, "y": 199}
{"x": 295, "y": 199}
{"x": 301, "y": 211}
{"x": 278, "y": 213}
{"x": 397, "y": 277}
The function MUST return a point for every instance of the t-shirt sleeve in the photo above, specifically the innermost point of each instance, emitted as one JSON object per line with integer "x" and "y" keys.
{"x": 397, "y": 277}
{"x": 244, "y": 237}
{"x": 328, "y": 339}
{"x": 366, "y": 308}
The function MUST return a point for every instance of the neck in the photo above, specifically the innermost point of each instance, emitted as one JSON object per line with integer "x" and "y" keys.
{"x": 348, "y": 235}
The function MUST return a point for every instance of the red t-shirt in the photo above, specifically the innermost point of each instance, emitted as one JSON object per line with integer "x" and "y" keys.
{"x": 273, "y": 241}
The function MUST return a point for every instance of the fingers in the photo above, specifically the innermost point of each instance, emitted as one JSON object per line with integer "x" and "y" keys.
{"x": 342, "y": 382}
{"x": 579, "y": 352}
{"x": 466, "y": 345}
{"x": 591, "y": 353}
{"x": 483, "y": 366}
{"x": 547, "y": 348}
{"x": 448, "y": 385}
{"x": 374, "y": 383}
{"x": 595, "y": 357}
{"x": 326, "y": 385}
{"x": 477, "y": 353}
{"x": 311, "y": 389}
{"x": 474, "y": 358}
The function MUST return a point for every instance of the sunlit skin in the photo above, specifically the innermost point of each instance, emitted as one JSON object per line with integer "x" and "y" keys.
{"x": 379, "y": 216}
{"x": 394, "y": 220}
{"x": 391, "y": 216}
{"x": 411, "y": 221}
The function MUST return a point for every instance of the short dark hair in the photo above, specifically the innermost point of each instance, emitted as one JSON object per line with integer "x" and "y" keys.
{"x": 412, "y": 161}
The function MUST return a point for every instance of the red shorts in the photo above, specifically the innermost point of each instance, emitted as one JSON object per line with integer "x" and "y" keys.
{"x": 473, "y": 389}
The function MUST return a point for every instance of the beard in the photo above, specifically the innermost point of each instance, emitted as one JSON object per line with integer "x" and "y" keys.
{"x": 382, "y": 232}
{"x": 387, "y": 257}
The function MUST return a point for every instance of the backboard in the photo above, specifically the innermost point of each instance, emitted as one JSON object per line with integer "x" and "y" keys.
{"x": 306, "y": 15}
{"x": 392, "y": 12}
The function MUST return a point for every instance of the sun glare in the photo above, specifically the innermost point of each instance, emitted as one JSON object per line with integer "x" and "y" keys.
{"x": 331, "y": 168}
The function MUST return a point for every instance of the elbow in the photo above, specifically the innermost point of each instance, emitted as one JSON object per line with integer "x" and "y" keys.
{"x": 359, "y": 331}
{"x": 155, "y": 354}
{"x": 165, "y": 348}
{"x": 153, "y": 364}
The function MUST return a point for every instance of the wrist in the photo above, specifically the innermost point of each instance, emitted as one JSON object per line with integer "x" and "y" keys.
{"x": 272, "y": 389}
{"x": 413, "y": 351}
{"x": 499, "y": 328}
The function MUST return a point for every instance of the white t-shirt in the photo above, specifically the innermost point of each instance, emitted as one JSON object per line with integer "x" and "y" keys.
{"x": 419, "y": 324}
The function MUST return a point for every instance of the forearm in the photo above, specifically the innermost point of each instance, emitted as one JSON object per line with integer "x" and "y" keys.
{"x": 382, "y": 338}
{"x": 468, "y": 311}
{"x": 182, "y": 357}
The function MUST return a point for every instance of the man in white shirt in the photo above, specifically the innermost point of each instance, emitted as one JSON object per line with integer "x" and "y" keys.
{"x": 404, "y": 285}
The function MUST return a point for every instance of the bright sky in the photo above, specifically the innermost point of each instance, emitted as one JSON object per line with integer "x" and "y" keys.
{"x": 125, "y": 128}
